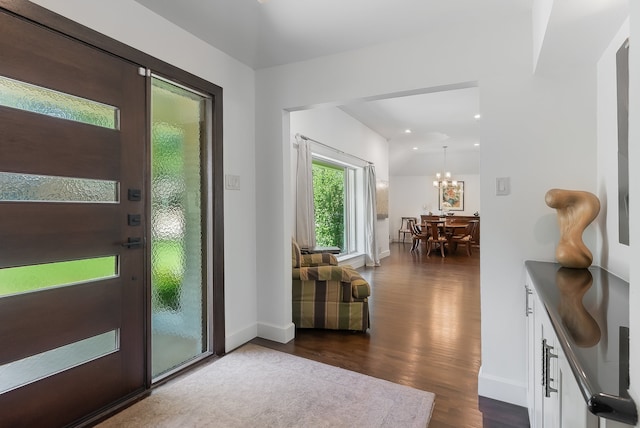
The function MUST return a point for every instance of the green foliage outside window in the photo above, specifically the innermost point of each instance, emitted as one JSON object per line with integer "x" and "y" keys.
{"x": 167, "y": 174}
{"x": 328, "y": 197}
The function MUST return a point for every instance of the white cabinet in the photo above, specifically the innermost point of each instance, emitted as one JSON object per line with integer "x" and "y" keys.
{"x": 578, "y": 347}
{"x": 573, "y": 410}
{"x": 553, "y": 395}
{"x": 533, "y": 372}
{"x": 534, "y": 364}
{"x": 551, "y": 380}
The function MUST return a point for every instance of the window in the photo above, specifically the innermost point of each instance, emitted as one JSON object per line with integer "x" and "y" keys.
{"x": 334, "y": 200}
{"x": 178, "y": 239}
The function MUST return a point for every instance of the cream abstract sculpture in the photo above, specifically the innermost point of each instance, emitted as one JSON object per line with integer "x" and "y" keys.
{"x": 576, "y": 210}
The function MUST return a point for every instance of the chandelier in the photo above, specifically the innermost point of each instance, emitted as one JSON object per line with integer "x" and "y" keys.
{"x": 443, "y": 178}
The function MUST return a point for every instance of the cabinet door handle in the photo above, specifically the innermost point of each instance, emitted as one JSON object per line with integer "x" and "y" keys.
{"x": 527, "y": 309}
{"x": 546, "y": 369}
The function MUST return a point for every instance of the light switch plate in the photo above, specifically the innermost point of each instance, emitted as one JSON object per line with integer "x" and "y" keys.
{"x": 503, "y": 186}
{"x": 232, "y": 182}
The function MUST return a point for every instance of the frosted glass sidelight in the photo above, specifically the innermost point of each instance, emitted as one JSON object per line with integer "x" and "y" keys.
{"x": 46, "y": 188}
{"x": 27, "y": 370}
{"x": 21, "y": 279}
{"x": 177, "y": 236}
{"x": 36, "y": 99}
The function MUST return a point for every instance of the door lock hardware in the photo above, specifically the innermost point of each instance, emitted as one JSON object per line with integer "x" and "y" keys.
{"x": 133, "y": 243}
{"x": 134, "y": 195}
{"x": 133, "y": 219}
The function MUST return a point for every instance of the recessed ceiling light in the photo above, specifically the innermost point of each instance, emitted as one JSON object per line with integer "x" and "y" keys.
{"x": 407, "y": 131}
{"x": 477, "y": 116}
{"x": 415, "y": 148}
{"x": 476, "y": 144}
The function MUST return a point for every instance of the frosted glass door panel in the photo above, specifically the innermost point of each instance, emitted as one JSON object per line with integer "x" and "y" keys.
{"x": 36, "y": 99}
{"x": 177, "y": 236}
{"x": 39, "y": 366}
{"x": 45, "y": 188}
{"x": 21, "y": 279}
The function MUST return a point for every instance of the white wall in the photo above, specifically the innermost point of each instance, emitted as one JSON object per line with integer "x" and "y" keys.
{"x": 611, "y": 255}
{"x": 134, "y": 25}
{"x": 538, "y": 131}
{"x": 412, "y": 196}
{"x": 541, "y": 11}
{"x": 334, "y": 127}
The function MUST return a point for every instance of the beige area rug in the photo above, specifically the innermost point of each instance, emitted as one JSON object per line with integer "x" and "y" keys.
{"x": 258, "y": 387}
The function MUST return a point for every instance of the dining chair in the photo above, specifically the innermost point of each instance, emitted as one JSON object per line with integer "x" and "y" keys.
{"x": 437, "y": 237}
{"x": 418, "y": 234}
{"x": 405, "y": 227}
{"x": 466, "y": 237}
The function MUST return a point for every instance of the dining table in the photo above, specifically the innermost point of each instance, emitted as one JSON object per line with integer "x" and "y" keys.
{"x": 447, "y": 228}
{"x": 454, "y": 228}
{"x": 450, "y": 228}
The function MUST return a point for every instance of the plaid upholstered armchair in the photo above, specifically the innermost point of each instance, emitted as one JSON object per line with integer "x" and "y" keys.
{"x": 326, "y": 295}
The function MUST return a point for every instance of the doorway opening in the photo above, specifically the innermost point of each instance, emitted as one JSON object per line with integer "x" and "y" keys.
{"x": 412, "y": 127}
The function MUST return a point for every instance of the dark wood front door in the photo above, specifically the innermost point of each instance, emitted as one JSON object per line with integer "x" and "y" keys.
{"x": 72, "y": 223}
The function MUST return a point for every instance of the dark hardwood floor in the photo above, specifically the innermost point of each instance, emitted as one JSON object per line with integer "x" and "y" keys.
{"x": 425, "y": 333}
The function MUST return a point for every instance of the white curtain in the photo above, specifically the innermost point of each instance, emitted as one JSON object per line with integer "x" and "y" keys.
{"x": 305, "y": 210}
{"x": 371, "y": 257}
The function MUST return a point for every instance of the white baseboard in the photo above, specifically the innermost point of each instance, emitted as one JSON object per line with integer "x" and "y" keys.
{"x": 502, "y": 389}
{"x": 406, "y": 241}
{"x": 239, "y": 338}
{"x": 354, "y": 260}
{"x": 263, "y": 330}
{"x": 277, "y": 333}
{"x": 357, "y": 260}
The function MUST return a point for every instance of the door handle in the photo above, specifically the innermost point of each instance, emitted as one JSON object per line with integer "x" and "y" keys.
{"x": 133, "y": 243}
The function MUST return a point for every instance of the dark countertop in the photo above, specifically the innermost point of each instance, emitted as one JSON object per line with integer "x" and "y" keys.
{"x": 589, "y": 310}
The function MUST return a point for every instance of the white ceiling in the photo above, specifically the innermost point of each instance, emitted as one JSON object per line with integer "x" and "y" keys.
{"x": 283, "y": 31}
{"x": 435, "y": 120}
{"x": 277, "y": 32}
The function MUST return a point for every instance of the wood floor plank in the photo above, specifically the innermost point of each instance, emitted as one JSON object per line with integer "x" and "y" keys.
{"x": 425, "y": 333}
